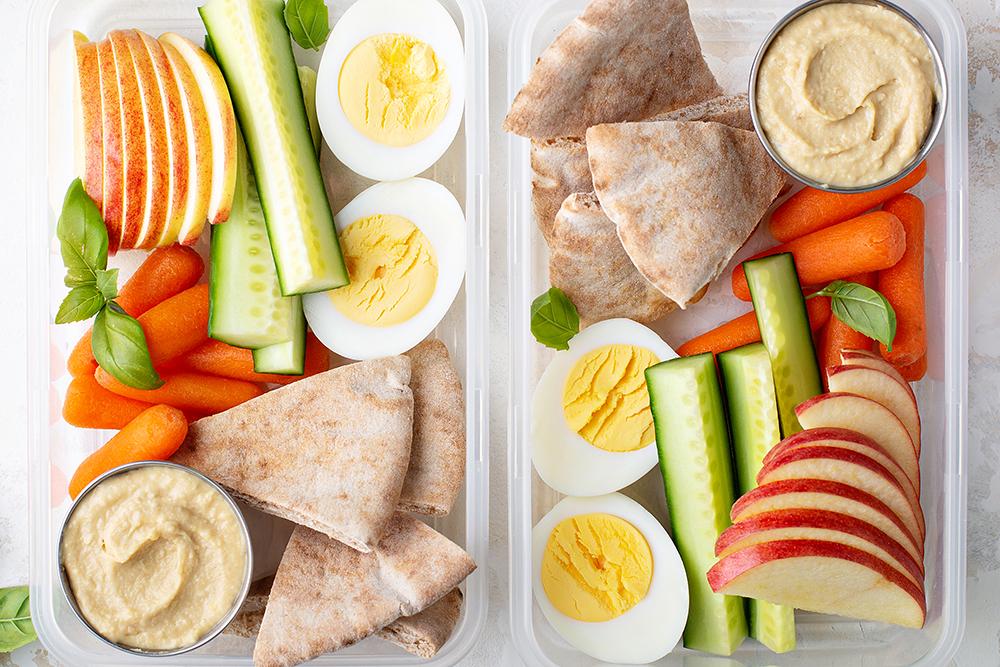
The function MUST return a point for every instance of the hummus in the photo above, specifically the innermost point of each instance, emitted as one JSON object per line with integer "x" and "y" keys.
{"x": 845, "y": 93}
{"x": 155, "y": 558}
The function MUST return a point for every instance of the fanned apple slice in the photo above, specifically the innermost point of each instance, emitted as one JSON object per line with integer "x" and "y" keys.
{"x": 157, "y": 147}
{"x": 88, "y": 124}
{"x": 881, "y": 387}
{"x": 199, "y": 143}
{"x": 222, "y": 123}
{"x": 821, "y": 576}
{"x": 133, "y": 141}
{"x": 821, "y": 494}
{"x": 870, "y": 359}
{"x": 801, "y": 524}
{"x": 113, "y": 185}
{"x": 177, "y": 139}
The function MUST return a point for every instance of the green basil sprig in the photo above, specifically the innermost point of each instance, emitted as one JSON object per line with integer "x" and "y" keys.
{"x": 118, "y": 341}
{"x": 554, "y": 319}
{"x": 308, "y": 22}
{"x": 16, "y": 628}
{"x": 863, "y": 309}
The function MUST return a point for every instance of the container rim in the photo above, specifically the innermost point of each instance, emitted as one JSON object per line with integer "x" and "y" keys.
{"x": 940, "y": 104}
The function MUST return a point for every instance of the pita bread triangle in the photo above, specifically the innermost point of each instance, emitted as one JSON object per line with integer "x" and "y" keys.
{"x": 329, "y": 452}
{"x": 326, "y": 595}
{"x": 684, "y": 195}
{"x": 619, "y": 60}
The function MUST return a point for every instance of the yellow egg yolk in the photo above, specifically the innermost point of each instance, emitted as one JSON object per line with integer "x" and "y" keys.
{"x": 392, "y": 267}
{"x": 393, "y": 90}
{"x": 596, "y": 567}
{"x": 605, "y": 398}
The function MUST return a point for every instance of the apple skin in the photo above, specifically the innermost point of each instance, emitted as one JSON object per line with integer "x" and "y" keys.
{"x": 91, "y": 140}
{"x": 867, "y": 417}
{"x": 848, "y": 467}
{"x": 821, "y": 576}
{"x": 820, "y": 525}
{"x": 831, "y": 496}
{"x": 881, "y": 387}
{"x": 870, "y": 359}
{"x": 113, "y": 201}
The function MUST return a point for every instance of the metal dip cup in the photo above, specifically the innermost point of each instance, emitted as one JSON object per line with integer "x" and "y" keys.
{"x": 237, "y": 602}
{"x": 937, "y": 120}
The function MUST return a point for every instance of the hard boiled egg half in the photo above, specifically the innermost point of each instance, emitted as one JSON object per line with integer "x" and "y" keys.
{"x": 391, "y": 87}
{"x": 591, "y": 427}
{"x": 404, "y": 246}
{"x": 609, "y": 579}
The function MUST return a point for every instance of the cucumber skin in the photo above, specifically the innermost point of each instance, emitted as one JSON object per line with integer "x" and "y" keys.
{"x": 753, "y": 418}
{"x": 716, "y": 623}
{"x": 785, "y": 332}
{"x": 288, "y": 357}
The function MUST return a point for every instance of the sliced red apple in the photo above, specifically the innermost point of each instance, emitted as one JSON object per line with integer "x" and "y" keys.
{"x": 113, "y": 200}
{"x": 803, "y": 524}
{"x": 881, "y": 387}
{"x": 821, "y": 494}
{"x": 870, "y": 359}
{"x": 133, "y": 142}
{"x": 821, "y": 576}
{"x": 221, "y": 123}
{"x": 867, "y": 417}
{"x": 837, "y": 464}
{"x": 199, "y": 142}
{"x": 88, "y": 123}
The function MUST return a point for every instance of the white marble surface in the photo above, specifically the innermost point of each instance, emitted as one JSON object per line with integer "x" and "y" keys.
{"x": 981, "y": 645}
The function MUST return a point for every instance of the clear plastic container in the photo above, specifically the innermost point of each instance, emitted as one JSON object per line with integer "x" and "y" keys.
{"x": 730, "y": 32}
{"x": 55, "y": 448}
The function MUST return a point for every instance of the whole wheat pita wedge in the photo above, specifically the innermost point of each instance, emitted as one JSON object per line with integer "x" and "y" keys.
{"x": 327, "y": 596}
{"x": 422, "y": 634}
{"x": 618, "y": 60}
{"x": 560, "y": 167}
{"x": 437, "y": 456}
{"x": 684, "y": 195}
{"x": 329, "y": 452}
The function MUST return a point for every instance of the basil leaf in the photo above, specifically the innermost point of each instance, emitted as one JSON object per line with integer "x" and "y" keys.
{"x": 119, "y": 346}
{"x": 554, "y": 319}
{"x": 107, "y": 283}
{"x": 81, "y": 303}
{"x": 16, "y": 628}
{"x": 863, "y": 309}
{"x": 308, "y": 21}
{"x": 83, "y": 238}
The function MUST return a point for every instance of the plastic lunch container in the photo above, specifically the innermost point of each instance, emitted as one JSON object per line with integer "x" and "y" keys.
{"x": 730, "y": 32}
{"x": 55, "y": 448}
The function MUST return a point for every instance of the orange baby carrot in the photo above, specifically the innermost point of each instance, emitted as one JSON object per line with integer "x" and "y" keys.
{"x": 871, "y": 242}
{"x": 154, "y": 435}
{"x": 903, "y": 284}
{"x": 202, "y": 394}
{"x": 915, "y": 371}
{"x": 837, "y": 336}
{"x": 744, "y": 330}
{"x": 166, "y": 272}
{"x": 176, "y": 326}
{"x": 89, "y": 405}
{"x": 217, "y": 358}
{"x": 809, "y": 209}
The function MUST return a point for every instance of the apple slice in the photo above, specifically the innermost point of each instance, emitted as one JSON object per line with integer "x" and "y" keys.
{"x": 870, "y": 359}
{"x": 820, "y": 494}
{"x": 88, "y": 124}
{"x": 837, "y": 464}
{"x": 880, "y": 387}
{"x": 199, "y": 142}
{"x": 221, "y": 123}
{"x": 133, "y": 142}
{"x": 113, "y": 184}
{"x": 821, "y": 576}
{"x": 177, "y": 140}
{"x": 800, "y": 524}
{"x": 867, "y": 417}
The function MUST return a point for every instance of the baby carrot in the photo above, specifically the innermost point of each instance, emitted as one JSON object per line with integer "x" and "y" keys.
{"x": 744, "y": 330}
{"x": 154, "y": 435}
{"x": 915, "y": 371}
{"x": 871, "y": 242}
{"x": 903, "y": 284}
{"x": 176, "y": 326}
{"x": 809, "y": 209}
{"x": 837, "y": 336}
{"x": 198, "y": 393}
{"x": 89, "y": 405}
{"x": 166, "y": 272}
{"x": 217, "y": 358}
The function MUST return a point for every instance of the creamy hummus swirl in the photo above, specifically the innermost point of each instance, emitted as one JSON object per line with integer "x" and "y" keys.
{"x": 155, "y": 558}
{"x": 845, "y": 93}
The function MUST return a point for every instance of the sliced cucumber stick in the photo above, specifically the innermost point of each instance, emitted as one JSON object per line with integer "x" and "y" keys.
{"x": 784, "y": 330}
{"x": 753, "y": 417}
{"x": 288, "y": 357}
{"x": 693, "y": 444}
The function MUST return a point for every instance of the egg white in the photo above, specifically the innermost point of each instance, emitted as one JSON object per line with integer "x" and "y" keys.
{"x": 649, "y": 630}
{"x": 562, "y": 457}
{"x": 434, "y": 210}
{"x": 425, "y": 20}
